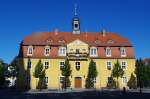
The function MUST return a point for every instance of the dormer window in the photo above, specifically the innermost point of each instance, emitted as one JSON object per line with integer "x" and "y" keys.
{"x": 93, "y": 51}
{"x": 47, "y": 51}
{"x": 123, "y": 52}
{"x": 49, "y": 40}
{"x": 110, "y": 42}
{"x": 61, "y": 40}
{"x": 108, "y": 52}
{"x": 62, "y": 51}
{"x": 30, "y": 51}
{"x": 97, "y": 41}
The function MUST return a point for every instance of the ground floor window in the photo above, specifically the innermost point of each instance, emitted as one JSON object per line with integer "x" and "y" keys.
{"x": 124, "y": 78}
{"x": 29, "y": 64}
{"x": 46, "y": 79}
{"x": 61, "y": 79}
{"x": 94, "y": 80}
{"x": 110, "y": 80}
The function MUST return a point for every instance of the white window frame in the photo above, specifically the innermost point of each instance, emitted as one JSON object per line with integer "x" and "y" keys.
{"x": 108, "y": 52}
{"x": 77, "y": 65}
{"x": 47, "y": 51}
{"x": 94, "y": 80}
{"x": 107, "y": 64}
{"x": 46, "y": 79}
{"x": 62, "y": 51}
{"x": 93, "y": 51}
{"x": 46, "y": 64}
{"x": 61, "y": 79}
{"x": 60, "y": 65}
{"x": 123, "y": 52}
{"x": 125, "y": 81}
{"x": 124, "y": 65}
{"x": 30, "y": 51}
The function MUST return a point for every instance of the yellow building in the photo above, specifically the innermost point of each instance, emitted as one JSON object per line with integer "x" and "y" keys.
{"x": 52, "y": 48}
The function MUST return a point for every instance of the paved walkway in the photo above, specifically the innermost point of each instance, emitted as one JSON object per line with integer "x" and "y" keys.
{"x": 84, "y": 90}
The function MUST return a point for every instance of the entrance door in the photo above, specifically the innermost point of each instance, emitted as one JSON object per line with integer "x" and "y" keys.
{"x": 78, "y": 82}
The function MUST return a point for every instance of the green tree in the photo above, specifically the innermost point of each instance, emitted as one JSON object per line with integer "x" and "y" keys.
{"x": 92, "y": 73}
{"x": 66, "y": 72}
{"x": 42, "y": 84}
{"x": 132, "y": 83}
{"x": 112, "y": 85}
{"x": 117, "y": 72}
{"x": 139, "y": 71}
{"x": 2, "y": 77}
{"x": 40, "y": 74}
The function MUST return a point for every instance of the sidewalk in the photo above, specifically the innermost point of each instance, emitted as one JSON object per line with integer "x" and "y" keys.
{"x": 84, "y": 90}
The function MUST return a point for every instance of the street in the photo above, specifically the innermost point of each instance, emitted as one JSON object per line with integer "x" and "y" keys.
{"x": 75, "y": 95}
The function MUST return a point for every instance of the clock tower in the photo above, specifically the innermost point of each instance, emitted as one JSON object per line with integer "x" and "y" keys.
{"x": 75, "y": 23}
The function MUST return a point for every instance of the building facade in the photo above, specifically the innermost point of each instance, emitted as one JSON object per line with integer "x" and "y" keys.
{"x": 52, "y": 48}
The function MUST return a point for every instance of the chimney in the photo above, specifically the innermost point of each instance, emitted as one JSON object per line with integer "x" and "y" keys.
{"x": 104, "y": 32}
{"x": 56, "y": 31}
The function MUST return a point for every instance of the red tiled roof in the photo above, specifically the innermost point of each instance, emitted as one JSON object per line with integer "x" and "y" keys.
{"x": 89, "y": 38}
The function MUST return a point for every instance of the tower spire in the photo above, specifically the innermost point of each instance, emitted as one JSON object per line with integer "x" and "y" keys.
{"x": 75, "y": 9}
{"x": 75, "y": 22}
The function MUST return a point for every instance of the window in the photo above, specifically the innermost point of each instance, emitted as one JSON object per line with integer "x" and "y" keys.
{"x": 47, "y": 50}
{"x": 122, "y": 52}
{"x": 28, "y": 77}
{"x": 97, "y": 41}
{"x": 46, "y": 65}
{"x": 71, "y": 50}
{"x": 77, "y": 65}
{"x": 29, "y": 64}
{"x": 124, "y": 78}
{"x": 30, "y": 50}
{"x": 124, "y": 65}
{"x": 110, "y": 80}
{"x": 84, "y": 50}
{"x": 49, "y": 40}
{"x": 62, "y": 65}
{"x": 62, "y": 51}
{"x": 93, "y": 51}
{"x": 61, "y": 79}
{"x": 108, "y": 52}
{"x": 109, "y": 65}
{"x": 94, "y": 80}
{"x": 77, "y": 51}
{"x": 46, "y": 79}
{"x": 76, "y": 25}
{"x": 110, "y": 41}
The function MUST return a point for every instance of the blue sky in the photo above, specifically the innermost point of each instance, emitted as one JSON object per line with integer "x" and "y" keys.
{"x": 19, "y": 18}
